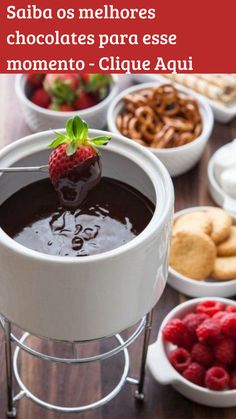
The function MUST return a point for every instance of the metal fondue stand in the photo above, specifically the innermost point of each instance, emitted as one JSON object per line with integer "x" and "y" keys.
{"x": 12, "y": 367}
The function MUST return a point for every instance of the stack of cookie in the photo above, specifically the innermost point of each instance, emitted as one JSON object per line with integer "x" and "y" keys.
{"x": 204, "y": 245}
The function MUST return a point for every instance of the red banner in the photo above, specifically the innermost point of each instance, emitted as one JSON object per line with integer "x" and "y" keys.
{"x": 157, "y": 36}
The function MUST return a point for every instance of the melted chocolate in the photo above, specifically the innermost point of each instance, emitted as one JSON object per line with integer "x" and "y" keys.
{"x": 74, "y": 187}
{"x": 112, "y": 214}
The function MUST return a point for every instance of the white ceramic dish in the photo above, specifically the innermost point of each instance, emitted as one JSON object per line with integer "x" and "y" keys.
{"x": 177, "y": 160}
{"x": 165, "y": 373}
{"x": 85, "y": 298}
{"x": 217, "y": 193}
{"x": 222, "y": 113}
{"x": 194, "y": 288}
{"x": 40, "y": 119}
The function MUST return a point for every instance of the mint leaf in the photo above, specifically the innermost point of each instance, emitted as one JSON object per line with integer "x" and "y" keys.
{"x": 71, "y": 148}
{"x": 101, "y": 140}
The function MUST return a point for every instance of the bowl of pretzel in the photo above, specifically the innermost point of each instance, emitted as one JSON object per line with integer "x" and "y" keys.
{"x": 174, "y": 123}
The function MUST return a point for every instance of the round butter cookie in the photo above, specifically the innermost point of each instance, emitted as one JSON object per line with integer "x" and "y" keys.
{"x": 221, "y": 223}
{"x": 192, "y": 254}
{"x": 196, "y": 220}
{"x": 225, "y": 268}
{"x": 228, "y": 246}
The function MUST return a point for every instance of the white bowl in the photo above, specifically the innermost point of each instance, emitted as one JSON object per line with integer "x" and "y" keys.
{"x": 177, "y": 160}
{"x": 165, "y": 373}
{"x": 40, "y": 119}
{"x": 217, "y": 193}
{"x": 69, "y": 298}
{"x": 193, "y": 287}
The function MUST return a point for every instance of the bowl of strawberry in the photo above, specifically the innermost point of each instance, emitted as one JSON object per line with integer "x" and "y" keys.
{"x": 47, "y": 100}
{"x": 195, "y": 351}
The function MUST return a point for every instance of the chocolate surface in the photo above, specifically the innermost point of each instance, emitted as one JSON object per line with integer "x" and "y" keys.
{"x": 112, "y": 214}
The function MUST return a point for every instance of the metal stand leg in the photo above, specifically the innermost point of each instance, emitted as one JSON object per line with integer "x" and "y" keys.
{"x": 11, "y": 411}
{"x": 147, "y": 332}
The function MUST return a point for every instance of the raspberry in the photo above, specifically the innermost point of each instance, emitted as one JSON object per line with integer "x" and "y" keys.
{"x": 224, "y": 351}
{"x": 232, "y": 380}
{"x": 180, "y": 359}
{"x": 216, "y": 378}
{"x": 209, "y": 331}
{"x": 220, "y": 364}
{"x": 202, "y": 354}
{"x": 174, "y": 331}
{"x": 193, "y": 320}
{"x": 195, "y": 373}
{"x": 209, "y": 307}
{"x": 219, "y": 315}
{"x": 228, "y": 325}
{"x": 230, "y": 309}
{"x": 188, "y": 340}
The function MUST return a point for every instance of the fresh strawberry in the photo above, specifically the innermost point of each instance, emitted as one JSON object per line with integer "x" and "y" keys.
{"x": 62, "y": 108}
{"x": 85, "y": 77}
{"x": 35, "y": 80}
{"x": 41, "y": 98}
{"x": 71, "y": 80}
{"x": 74, "y": 164}
{"x": 62, "y": 87}
{"x": 98, "y": 84}
{"x": 84, "y": 101}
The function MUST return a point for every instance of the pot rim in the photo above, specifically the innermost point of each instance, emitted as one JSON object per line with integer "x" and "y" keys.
{"x": 130, "y": 150}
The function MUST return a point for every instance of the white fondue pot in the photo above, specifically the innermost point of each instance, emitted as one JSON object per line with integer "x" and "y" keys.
{"x": 77, "y": 299}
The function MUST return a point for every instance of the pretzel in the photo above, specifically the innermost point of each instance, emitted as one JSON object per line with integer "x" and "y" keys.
{"x": 160, "y": 117}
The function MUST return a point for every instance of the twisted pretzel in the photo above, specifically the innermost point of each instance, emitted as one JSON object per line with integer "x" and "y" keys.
{"x": 160, "y": 117}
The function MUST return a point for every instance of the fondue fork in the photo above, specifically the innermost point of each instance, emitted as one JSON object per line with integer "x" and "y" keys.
{"x": 43, "y": 169}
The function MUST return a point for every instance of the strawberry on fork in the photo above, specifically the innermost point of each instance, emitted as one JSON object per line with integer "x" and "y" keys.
{"x": 74, "y": 164}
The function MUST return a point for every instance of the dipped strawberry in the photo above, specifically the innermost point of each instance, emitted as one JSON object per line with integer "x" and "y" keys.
{"x": 74, "y": 164}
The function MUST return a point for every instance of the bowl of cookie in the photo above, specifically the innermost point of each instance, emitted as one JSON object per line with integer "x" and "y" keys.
{"x": 195, "y": 351}
{"x": 202, "y": 259}
{"x": 174, "y": 123}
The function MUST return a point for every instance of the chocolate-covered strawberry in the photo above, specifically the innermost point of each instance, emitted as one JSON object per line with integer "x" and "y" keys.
{"x": 74, "y": 164}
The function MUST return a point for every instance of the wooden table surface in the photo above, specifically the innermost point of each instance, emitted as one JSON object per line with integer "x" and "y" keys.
{"x": 78, "y": 385}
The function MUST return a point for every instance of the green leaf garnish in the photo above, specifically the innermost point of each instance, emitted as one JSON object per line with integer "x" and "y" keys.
{"x": 77, "y": 136}
{"x": 100, "y": 140}
{"x": 69, "y": 129}
{"x": 79, "y": 127}
{"x": 61, "y": 139}
{"x": 71, "y": 148}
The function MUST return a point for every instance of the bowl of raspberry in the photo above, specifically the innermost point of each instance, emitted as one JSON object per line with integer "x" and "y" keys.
{"x": 48, "y": 100}
{"x": 195, "y": 351}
